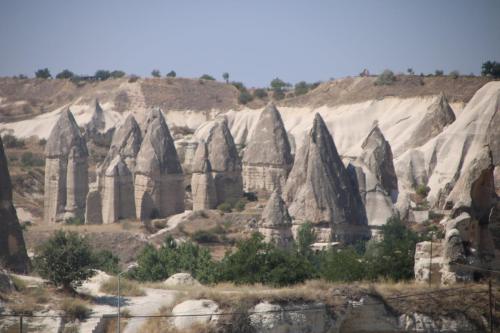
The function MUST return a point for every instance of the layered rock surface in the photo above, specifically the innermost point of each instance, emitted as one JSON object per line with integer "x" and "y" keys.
{"x": 12, "y": 248}
{"x": 159, "y": 188}
{"x": 320, "y": 190}
{"x": 275, "y": 223}
{"x": 267, "y": 159}
{"x": 202, "y": 182}
{"x": 66, "y": 171}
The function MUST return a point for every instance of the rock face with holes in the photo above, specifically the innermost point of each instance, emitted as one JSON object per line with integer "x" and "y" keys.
{"x": 202, "y": 182}
{"x": 66, "y": 171}
{"x": 267, "y": 159}
{"x": 225, "y": 162}
{"x": 113, "y": 197}
{"x": 12, "y": 248}
{"x": 159, "y": 189}
{"x": 320, "y": 190}
{"x": 204, "y": 309}
{"x": 376, "y": 178}
{"x": 275, "y": 223}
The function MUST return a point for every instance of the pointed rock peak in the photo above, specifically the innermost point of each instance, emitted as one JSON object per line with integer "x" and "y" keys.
{"x": 271, "y": 107}
{"x": 275, "y": 214}
{"x": 319, "y": 128}
{"x": 320, "y": 136}
{"x": 201, "y": 164}
{"x": 221, "y": 148}
{"x": 117, "y": 167}
{"x": 64, "y": 135}
{"x": 128, "y": 130}
{"x": 98, "y": 108}
{"x": 375, "y": 137}
{"x": 158, "y": 149}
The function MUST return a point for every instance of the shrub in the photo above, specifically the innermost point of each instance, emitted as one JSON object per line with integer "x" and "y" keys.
{"x": 225, "y": 76}
{"x": 342, "y": 265}
{"x": 207, "y": 77}
{"x": 155, "y": 73}
{"x": 171, "y": 74}
{"x": 74, "y": 221}
{"x": 43, "y": 74}
{"x": 102, "y": 75}
{"x": 245, "y": 97}
{"x": 250, "y": 196}
{"x": 10, "y": 141}
{"x": 127, "y": 287}
{"x": 116, "y": 74}
{"x": 65, "y": 74}
{"x": 239, "y": 85}
{"x": 439, "y": 72}
{"x": 240, "y": 205}
{"x": 42, "y": 142}
{"x": 133, "y": 78}
{"x": 410, "y": 71}
{"x": 29, "y": 159}
{"x": 454, "y": 74}
{"x": 306, "y": 236}
{"x": 205, "y": 236}
{"x": 65, "y": 260}
{"x": 158, "y": 264}
{"x": 422, "y": 190}
{"x": 386, "y": 78}
{"x": 491, "y": 68}
{"x": 106, "y": 261}
{"x": 278, "y": 86}
{"x": 260, "y": 93}
{"x": 225, "y": 207}
{"x": 75, "y": 309}
{"x": 301, "y": 88}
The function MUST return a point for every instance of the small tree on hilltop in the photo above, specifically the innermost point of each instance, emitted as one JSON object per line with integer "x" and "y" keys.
{"x": 207, "y": 77}
{"x": 155, "y": 73}
{"x": 66, "y": 260}
{"x": 491, "y": 68}
{"x": 65, "y": 74}
{"x": 43, "y": 74}
{"x": 225, "y": 76}
{"x": 171, "y": 74}
{"x": 386, "y": 78}
{"x": 102, "y": 75}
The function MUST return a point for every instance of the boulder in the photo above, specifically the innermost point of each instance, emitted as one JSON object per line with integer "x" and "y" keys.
{"x": 267, "y": 159}
{"x": 181, "y": 280}
{"x": 320, "y": 190}
{"x": 159, "y": 180}
{"x": 66, "y": 171}
{"x": 275, "y": 223}
{"x": 13, "y": 254}
{"x": 205, "y": 310}
{"x": 225, "y": 162}
{"x": 203, "y": 189}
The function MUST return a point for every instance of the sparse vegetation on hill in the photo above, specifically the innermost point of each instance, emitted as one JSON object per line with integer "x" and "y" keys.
{"x": 387, "y": 77}
{"x": 43, "y": 74}
{"x": 278, "y": 87}
{"x": 491, "y": 68}
{"x": 171, "y": 74}
{"x": 65, "y": 74}
{"x": 207, "y": 77}
{"x": 155, "y": 73}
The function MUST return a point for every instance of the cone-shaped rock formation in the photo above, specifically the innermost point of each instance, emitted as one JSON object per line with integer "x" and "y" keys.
{"x": 12, "y": 248}
{"x": 66, "y": 171}
{"x": 225, "y": 162}
{"x": 275, "y": 223}
{"x": 202, "y": 181}
{"x": 267, "y": 159}
{"x": 320, "y": 190}
{"x": 95, "y": 129}
{"x": 159, "y": 190}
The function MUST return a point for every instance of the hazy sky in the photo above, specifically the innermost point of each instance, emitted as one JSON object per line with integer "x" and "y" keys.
{"x": 254, "y": 41}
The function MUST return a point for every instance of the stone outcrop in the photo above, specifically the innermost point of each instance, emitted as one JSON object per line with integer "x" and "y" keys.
{"x": 12, "y": 248}
{"x": 113, "y": 198}
{"x": 202, "y": 182}
{"x": 320, "y": 190}
{"x": 95, "y": 129}
{"x": 204, "y": 309}
{"x": 376, "y": 178}
{"x": 225, "y": 162}
{"x": 181, "y": 280}
{"x": 159, "y": 188}
{"x": 66, "y": 171}
{"x": 275, "y": 223}
{"x": 267, "y": 159}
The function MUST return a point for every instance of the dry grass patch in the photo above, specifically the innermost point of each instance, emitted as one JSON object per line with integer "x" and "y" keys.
{"x": 75, "y": 308}
{"x": 127, "y": 287}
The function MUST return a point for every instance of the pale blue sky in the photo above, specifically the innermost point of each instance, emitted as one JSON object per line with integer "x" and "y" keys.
{"x": 254, "y": 41}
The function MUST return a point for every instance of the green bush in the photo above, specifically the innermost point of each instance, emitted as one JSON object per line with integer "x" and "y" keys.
{"x": 260, "y": 93}
{"x": 155, "y": 73}
{"x": 422, "y": 190}
{"x": 225, "y": 76}
{"x": 66, "y": 260}
{"x": 439, "y": 72}
{"x": 225, "y": 207}
{"x": 306, "y": 236}
{"x": 244, "y": 97}
{"x": 43, "y": 74}
{"x": 171, "y": 74}
{"x": 491, "y": 68}
{"x": 278, "y": 87}
{"x": 10, "y": 141}
{"x": 301, "y": 88}
{"x": 106, "y": 261}
{"x": 116, "y": 74}
{"x": 205, "y": 236}
{"x": 386, "y": 78}
{"x": 28, "y": 159}
{"x": 207, "y": 77}
{"x": 240, "y": 205}
{"x": 65, "y": 74}
{"x": 344, "y": 265}
{"x": 102, "y": 75}
{"x": 454, "y": 74}
{"x": 74, "y": 221}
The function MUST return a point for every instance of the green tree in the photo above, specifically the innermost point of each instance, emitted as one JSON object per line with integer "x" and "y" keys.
{"x": 65, "y": 74}
{"x": 207, "y": 77}
{"x": 439, "y": 72}
{"x": 171, "y": 74}
{"x": 301, "y": 88}
{"x": 278, "y": 87}
{"x": 116, "y": 74}
{"x": 106, "y": 261}
{"x": 394, "y": 256}
{"x": 155, "y": 73}
{"x": 260, "y": 93}
{"x": 491, "y": 68}
{"x": 387, "y": 77}
{"x": 410, "y": 71}
{"x": 43, "y": 74}
{"x": 306, "y": 236}
{"x": 102, "y": 75}
{"x": 454, "y": 74}
{"x": 344, "y": 265}
{"x": 225, "y": 76}
{"x": 66, "y": 260}
{"x": 245, "y": 97}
